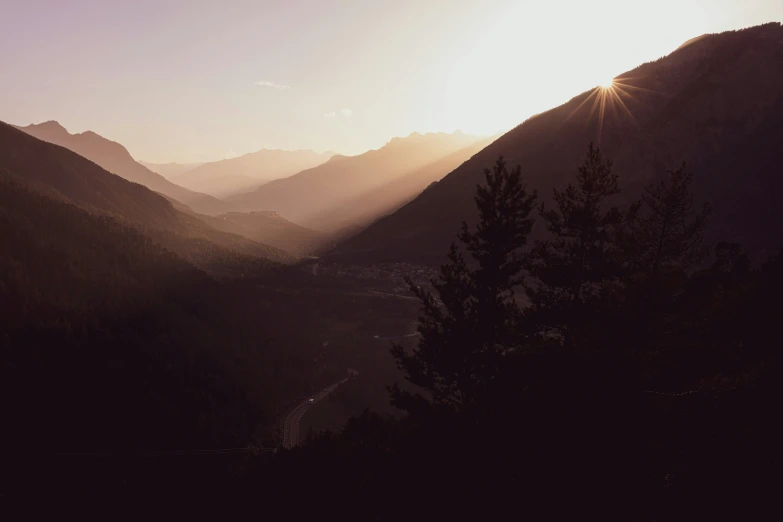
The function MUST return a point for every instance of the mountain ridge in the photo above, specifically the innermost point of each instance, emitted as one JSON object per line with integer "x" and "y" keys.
{"x": 57, "y": 171}
{"x": 171, "y": 169}
{"x": 702, "y": 98}
{"x": 247, "y": 172}
{"x": 307, "y": 196}
{"x": 115, "y": 158}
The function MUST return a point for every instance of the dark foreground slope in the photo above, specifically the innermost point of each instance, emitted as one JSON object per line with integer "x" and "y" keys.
{"x": 716, "y": 103}
{"x": 112, "y": 345}
{"x": 90, "y": 306}
{"x": 111, "y": 335}
{"x": 114, "y": 341}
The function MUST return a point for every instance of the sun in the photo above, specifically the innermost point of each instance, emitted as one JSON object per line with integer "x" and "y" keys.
{"x": 607, "y": 84}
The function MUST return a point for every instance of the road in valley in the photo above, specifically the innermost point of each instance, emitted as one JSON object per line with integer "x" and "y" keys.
{"x": 398, "y": 296}
{"x": 392, "y": 337}
{"x": 291, "y": 423}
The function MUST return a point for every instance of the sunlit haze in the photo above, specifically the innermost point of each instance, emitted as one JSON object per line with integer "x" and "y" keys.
{"x": 198, "y": 80}
{"x": 386, "y": 258}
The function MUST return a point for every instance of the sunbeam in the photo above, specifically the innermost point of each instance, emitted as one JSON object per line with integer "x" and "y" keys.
{"x": 592, "y": 95}
{"x": 607, "y": 102}
{"x": 619, "y": 84}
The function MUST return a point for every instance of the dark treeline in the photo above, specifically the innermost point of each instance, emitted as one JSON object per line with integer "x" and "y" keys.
{"x": 639, "y": 381}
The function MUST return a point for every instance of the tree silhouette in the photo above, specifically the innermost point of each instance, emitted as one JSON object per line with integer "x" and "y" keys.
{"x": 571, "y": 268}
{"x": 472, "y": 321}
{"x": 660, "y": 243}
{"x": 670, "y": 235}
{"x": 658, "y": 417}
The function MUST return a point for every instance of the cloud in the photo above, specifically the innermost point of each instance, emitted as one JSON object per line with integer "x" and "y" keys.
{"x": 273, "y": 85}
{"x": 347, "y": 113}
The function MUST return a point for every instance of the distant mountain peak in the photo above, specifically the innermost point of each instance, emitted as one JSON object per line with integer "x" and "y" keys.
{"x": 357, "y": 189}
{"x": 426, "y": 137}
{"x": 115, "y": 158}
{"x": 336, "y": 157}
{"x": 52, "y": 129}
{"x": 49, "y": 126}
{"x": 232, "y": 176}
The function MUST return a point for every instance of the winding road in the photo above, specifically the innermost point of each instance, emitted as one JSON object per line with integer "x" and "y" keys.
{"x": 292, "y": 420}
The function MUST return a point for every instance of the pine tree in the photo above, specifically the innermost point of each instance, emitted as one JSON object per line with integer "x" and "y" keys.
{"x": 472, "y": 323}
{"x": 670, "y": 235}
{"x": 660, "y": 244}
{"x": 572, "y": 267}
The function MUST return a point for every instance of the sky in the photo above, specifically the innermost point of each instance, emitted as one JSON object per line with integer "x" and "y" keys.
{"x": 203, "y": 80}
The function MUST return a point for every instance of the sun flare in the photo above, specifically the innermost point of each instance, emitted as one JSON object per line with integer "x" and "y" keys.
{"x": 607, "y": 84}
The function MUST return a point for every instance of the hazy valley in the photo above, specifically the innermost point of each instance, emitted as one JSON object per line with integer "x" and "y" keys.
{"x": 586, "y": 303}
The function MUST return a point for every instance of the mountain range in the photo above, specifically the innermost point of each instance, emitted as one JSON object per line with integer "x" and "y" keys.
{"x": 170, "y": 170}
{"x": 715, "y": 103}
{"x": 116, "y": 159}
{"x": 156, "y": 334}
{"x": 61, "y": 174}
{"x": 247, "y": 172}
{"x": 329, "y": 202}
{"x": 338, "y": 193}
{"x": 264, "y": 227}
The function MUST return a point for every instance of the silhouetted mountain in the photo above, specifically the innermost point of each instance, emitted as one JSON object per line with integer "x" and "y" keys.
{"x": 56, "y": 171}
{"x": 311, "y": 196}
{"x": 236, "y": 175}
{"x": 170, "y": 170}
{"x": 715, "y": 103}
{"x": 116, "y": 159}
{"x": 378, "y": 202}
